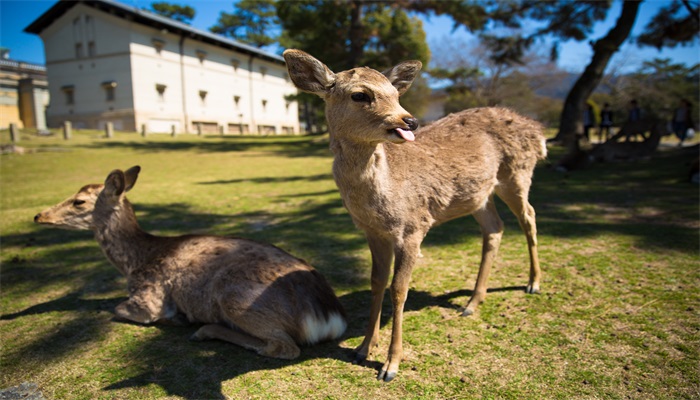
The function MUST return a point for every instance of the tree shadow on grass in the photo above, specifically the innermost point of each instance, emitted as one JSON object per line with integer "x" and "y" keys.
{"x": 273, "y": 179}
{"x": 71, "y": 260}
{"x": 291, "y": 147}
{"x": 192, "y": 369}
{"x": 324, "y": 233}
{"x": 197, "y": 370}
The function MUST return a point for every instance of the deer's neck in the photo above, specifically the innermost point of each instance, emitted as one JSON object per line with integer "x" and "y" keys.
{"x": 124, "y": 243}
{"x": 360, "y": 166}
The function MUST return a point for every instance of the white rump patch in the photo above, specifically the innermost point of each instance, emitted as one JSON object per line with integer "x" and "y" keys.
{"x": 316, "y": 330}
{"x": 543, "y": 149}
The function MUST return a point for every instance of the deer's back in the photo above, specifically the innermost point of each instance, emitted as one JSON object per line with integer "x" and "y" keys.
{"x": 456, "y": 162}
{"x": 206, "y": 272}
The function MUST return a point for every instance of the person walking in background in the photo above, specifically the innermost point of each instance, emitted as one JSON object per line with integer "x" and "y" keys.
{"x": 631, "y": 127}
{"x": 634, "y": 113}
{"x": 588, "y": 120}
{"x": 606, "y": 122}
{"x": 682, "y": 120}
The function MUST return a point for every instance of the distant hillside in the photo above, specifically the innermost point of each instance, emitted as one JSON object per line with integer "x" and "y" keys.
{"x": 559, "y": 91}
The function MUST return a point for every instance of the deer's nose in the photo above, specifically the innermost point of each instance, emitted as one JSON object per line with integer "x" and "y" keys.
{"x": 411, "y": 122}
{"x": 36, "y": 217}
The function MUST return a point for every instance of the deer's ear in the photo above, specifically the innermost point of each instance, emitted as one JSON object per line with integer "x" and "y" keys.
{"x": 403, "y": 74}
{"x": 307, "y": 73}
{"x": 130, "y": 176}
{"x": 115, "y": 183}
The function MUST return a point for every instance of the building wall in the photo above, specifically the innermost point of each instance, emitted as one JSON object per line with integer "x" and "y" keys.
{"x": 9, "y": 112}
{"x": 33, "y": 100}
{"x": 103, "y": 43}
{"x": 206, "y": 87}
{"x": 23, "y": 94}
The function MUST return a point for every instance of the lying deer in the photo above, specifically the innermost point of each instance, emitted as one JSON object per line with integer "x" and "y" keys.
{"x": 395, "y": 192}
{"x": 251, "y": 294}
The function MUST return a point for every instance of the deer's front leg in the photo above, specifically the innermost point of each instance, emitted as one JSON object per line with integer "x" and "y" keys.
{"x": 406, "y": 255}
{"x": 144, "y": 307}
{"x": 382, "y": 253}
{"x": 491, "y": 232}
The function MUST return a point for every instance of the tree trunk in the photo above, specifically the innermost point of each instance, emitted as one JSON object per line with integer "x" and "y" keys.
{"x": 571, "y": 117}
{"x": 355, "y": 35}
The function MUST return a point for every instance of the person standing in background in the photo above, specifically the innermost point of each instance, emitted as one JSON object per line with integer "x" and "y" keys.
{"x": 682, "y": 120}
{"x": 606, "y": 122}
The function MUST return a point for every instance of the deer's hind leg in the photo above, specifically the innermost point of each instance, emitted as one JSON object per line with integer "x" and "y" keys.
{"x": 276, "y": 345}
{"x": 515, "y": 195}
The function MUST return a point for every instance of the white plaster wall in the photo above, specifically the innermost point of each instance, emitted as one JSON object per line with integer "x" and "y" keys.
{"x": 87, "y": 74}
{"x": 125, "y": 54}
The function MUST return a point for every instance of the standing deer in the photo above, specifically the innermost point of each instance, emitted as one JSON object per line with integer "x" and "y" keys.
{"x": 251, "y": 294}
{"x": 396, "y": 192}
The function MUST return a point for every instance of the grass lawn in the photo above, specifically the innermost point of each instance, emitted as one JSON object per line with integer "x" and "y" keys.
{"x": 618, "y": 317}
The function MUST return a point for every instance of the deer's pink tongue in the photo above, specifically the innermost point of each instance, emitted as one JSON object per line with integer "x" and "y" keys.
{"x": 406, "y": 135}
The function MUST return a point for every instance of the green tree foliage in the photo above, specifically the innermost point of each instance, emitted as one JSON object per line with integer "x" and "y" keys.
{"x": 347, "y": 34}
{"x": 251, "y": 22}
{"x": 472, "y": 79}
{"x": 177, "y": 12}
{"x": 464, "y": 88}
{"x": 658, "y": 86}
{"x": 675, "y": 24}
{"x": 501, "y": 23}
{"x": 332, "y": 30}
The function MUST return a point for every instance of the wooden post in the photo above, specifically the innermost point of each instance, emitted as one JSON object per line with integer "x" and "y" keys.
{"x": 199, "y": 128}
{"x": 14, "y": 133}
{"x": 67, "y": 130}
{"x": 172, "y": 130}
{"x": 143, "y": 130}
{"x": 221, "y": 130}
{"x": 109, "y": 129}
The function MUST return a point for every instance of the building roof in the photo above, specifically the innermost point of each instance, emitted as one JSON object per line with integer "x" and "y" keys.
{"x": 150, "y": 19}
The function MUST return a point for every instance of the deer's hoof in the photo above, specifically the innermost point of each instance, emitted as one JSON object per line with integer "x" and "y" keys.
{"x": 386, "y": 376}
{"x": 467, "y": 312}
{"x": 532, "y": 290}
{"x": 359, "y": 358}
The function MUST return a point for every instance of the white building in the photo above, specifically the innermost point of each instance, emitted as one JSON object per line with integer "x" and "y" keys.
{"x": 110, "y": 62}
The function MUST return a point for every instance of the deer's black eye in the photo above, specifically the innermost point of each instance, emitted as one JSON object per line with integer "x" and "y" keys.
{"x": 78, "y": 202}
{"x": 359, "y": 96}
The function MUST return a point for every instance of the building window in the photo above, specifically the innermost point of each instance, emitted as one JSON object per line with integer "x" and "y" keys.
{"x": 68, "y": 92}
{"x": 235, "y": 63}
{"x": 158, "y": 44}
{"x": 237, "y": 100}
{"x": 77, "y": 30}
{"x": 264, "y": 105}
{"x": 79, "y": 50}
{"x": 109, "y": 87}
{"x": 203, "y": 96}
{"x": 161, "y": 92}
{"x": 92, "y": 52}
{"x": 201, "y": 54}
{"x": 89, "y": 28}
{"x": 263, "y": 71}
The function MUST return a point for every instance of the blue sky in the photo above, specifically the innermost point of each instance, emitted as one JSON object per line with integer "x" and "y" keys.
{"x": 15, "y": 15}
